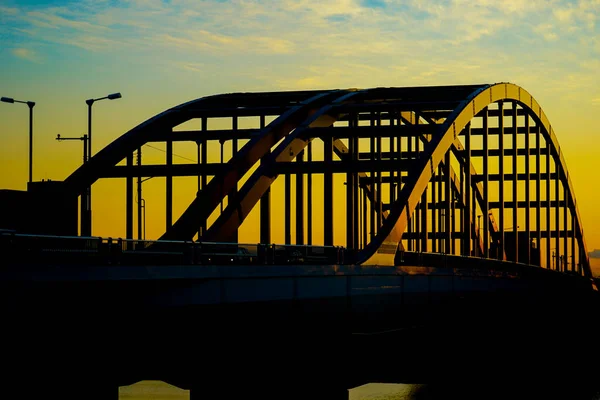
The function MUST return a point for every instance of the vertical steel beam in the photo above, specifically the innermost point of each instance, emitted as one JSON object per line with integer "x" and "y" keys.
{"x": 423, "y": 229}
{"x": 169, "y": 186}
{"x": 501, "y": 182}
{"x": 359, "y": 199}
{"x": 356, "y": 193}
{"x": 449, "y": 200}
{"x": 233, "y": 192}
{"x": 474, "y": 233}
{"x": 288, "y": 209}
{"x": 440, "y": 208}
{"x": 486, "y": 184}
{"x": 350, "y": 199}
{"x": 573, "y": 253}
{"x": 393, "y": 156}
{"x": 527, "y": 191}
{"x": 467, "y": 210}
{"x": 538, "y": 192}
{"x": 328, "y": 193}
{"x": 565, "y": 210}
{"x": 202, "y": 181}
{"x": 139, "y": 196}
{"x": 559, "y": 266}
{"x": 365, "y": 210}
{"x": 461, "y": 212}
{"x": 309, "y": 197}
{"x": 410, "y": 159}
{"x": 434, "y": 208}
{"x": 417, "y": 220}
{"x": 300, "y": 202}
{"x": 549, "y": 260}
{"x": 265, "y": 204}
{"x": 129, "y": 201}
{"x": 515, "y": 194}
{"x": 378, "y": 177}
{"x": 373, "y": 154}
{"x": 398, "y": 187}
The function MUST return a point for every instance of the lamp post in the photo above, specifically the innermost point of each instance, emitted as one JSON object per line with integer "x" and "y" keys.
{"x": 30, "y": 104}
{"x": 88, "y": 193}
{"x": 83, "y": 206}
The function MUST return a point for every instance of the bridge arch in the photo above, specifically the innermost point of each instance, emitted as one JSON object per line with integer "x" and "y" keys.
{"x": 437, "y": 118}
{"x": 445, "y": 139}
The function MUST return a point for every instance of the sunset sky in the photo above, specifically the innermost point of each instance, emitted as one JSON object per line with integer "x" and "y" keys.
{"x": 162, "y": 53}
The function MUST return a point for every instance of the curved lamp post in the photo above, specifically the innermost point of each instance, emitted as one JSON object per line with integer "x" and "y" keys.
{"x": 88, "y": 195}
{"x": 30, "y": 104}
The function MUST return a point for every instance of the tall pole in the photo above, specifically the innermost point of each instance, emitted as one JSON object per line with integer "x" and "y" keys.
{"x": 83, "y": 204}
{"x": 88, "y": 190}
{"x": 30, "y": 104}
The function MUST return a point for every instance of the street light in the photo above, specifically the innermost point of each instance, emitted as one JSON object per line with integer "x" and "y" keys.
{"x": 90, "y": 102}
{"x": 30, "y": 104}
{"x": 88, "y": 194}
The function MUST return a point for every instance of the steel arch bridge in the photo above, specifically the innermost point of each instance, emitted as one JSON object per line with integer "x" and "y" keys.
{"x": 472, "y": 170}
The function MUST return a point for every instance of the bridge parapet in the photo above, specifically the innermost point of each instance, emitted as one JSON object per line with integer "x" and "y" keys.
{"x": 43, "y": 250}
{"x": 39, "y": 250}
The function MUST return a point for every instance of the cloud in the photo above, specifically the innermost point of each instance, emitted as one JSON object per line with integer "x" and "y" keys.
{"x": 547, "y": 31}
{"x": 26, "y": 54}
{"x": 8, "y": 10}
{"x": 219, "y": 43}
{"x": 53, "y": 19}
{"x": 194, "y": 67}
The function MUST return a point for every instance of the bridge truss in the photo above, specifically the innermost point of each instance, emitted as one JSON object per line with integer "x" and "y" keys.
{"x": 468, "y": 170}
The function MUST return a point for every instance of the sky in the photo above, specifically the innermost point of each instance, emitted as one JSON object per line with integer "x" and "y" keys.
{"x": 159, "y": 54}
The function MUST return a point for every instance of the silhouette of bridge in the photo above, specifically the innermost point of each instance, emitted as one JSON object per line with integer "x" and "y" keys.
{"x": 459, "y": 216}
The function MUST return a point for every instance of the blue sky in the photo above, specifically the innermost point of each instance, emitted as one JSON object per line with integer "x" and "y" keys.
{"x": 162, "y": 53}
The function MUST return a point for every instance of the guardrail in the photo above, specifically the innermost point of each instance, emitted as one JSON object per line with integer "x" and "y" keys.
{"x": 69, "y": 250}
{"x": 26, "y": 248}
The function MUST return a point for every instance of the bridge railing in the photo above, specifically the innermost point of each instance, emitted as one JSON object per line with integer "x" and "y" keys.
{"x": 26, "y": 248}
{"x": 452, "y": 261}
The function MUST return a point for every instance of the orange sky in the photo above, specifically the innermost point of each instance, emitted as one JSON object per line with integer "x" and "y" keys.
{"x": 160, "y": 54}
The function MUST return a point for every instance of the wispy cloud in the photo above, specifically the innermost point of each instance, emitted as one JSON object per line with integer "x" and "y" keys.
{"x": 26, "y": 54}
{"x": 8, "y": 10}
{"x": 547, "y": 31}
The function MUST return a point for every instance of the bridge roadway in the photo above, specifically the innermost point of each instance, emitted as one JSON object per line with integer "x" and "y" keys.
{"x": 296, "y": 331}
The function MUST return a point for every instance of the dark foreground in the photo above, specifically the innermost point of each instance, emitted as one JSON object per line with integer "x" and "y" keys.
{"x": 63, "y": 338}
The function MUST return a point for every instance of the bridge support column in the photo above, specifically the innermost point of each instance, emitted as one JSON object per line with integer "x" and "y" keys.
{"x": 466, "y": 215}
{"x": 501, "y": 181}
{"x": 231, "y": 195}
{"x": 300, "y": 202}
{"x": 169, "y": 187}
{"x": 265, "y": 206}
{"x": 309, "y": 197}
{"x": 328, "y": 193}
{"x": 129, "y": 201}
{"x": 486, "y": 186}
{"x": 139, "y": 197}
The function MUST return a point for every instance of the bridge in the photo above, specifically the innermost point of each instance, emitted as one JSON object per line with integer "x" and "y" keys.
{"x": 461, "y": 235}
